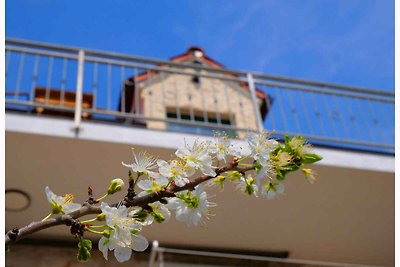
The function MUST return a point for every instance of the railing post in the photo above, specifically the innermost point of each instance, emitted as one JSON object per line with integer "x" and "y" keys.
{"x": 79, "y": 90}
{"x": 153, "y": 253}
{"x": 252, "y": 89}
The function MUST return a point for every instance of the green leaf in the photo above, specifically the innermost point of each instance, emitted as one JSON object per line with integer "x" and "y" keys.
{"x": 280, "y": 175}
{"x": 291, "y": 167}
{"x": 287, "y": 139}
{"x": 84, "y": 248}
{"x": 8, "y": 249}
{"x": 310, "y": 158}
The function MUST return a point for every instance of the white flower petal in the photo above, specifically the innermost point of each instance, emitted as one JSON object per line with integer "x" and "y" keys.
{"x": 70, "y": 207}
{"x": 49, "y": 194}
{"x": 103, "y": 246}
{"x": 174, "y": 203}
{"x": 122, "y": 254}
{"x": 181, "y": 181}
{"x": 139, "y": 243}
{"x": 145, "y": 184}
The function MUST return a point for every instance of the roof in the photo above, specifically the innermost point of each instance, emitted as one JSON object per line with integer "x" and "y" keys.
{"x": 193, "y": 52}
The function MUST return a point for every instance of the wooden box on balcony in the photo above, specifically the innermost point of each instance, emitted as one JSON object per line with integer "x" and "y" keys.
{"x": 56, "y": 98}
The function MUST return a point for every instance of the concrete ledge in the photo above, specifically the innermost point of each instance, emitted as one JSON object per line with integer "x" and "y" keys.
{"x": 102, "y": 132}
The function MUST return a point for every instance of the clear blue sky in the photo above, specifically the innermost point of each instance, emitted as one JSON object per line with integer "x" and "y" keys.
{"x": 340, "y": 41}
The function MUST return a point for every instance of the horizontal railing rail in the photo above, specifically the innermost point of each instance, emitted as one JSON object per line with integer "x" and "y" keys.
{"x": 158, "y": 257}
{"x": 144, "y": 92}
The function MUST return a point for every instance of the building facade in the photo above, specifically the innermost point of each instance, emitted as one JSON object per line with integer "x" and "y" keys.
{"x": 117, "y": 101}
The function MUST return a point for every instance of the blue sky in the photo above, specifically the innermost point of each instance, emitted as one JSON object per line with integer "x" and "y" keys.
{"x": 343, "y": 41}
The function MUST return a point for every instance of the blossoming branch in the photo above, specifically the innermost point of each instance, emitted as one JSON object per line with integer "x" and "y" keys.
{"x": 157, "y": 187}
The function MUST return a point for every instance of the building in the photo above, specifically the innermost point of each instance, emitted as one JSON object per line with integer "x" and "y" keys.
{"x": 346, "y": 217}
{"x": 197, "y": 97}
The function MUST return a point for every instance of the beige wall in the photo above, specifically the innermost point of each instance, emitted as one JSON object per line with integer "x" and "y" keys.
{"x": 211, "y": 97}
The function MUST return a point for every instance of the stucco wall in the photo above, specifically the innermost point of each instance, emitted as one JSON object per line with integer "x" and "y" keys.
{"x": 212, "y": 98}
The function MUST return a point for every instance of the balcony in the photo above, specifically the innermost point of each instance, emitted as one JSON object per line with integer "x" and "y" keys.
{"x": 72, "y": 114}
{"x": 327, "y": 115}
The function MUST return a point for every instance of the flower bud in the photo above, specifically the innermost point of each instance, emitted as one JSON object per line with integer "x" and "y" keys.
{"x": 101, "y": 217}
{"x": 115, "y": 186}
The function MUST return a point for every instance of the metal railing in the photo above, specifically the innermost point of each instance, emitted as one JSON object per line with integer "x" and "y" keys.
{"x": 158, "y": 253}
{"x": 165, "y": 95}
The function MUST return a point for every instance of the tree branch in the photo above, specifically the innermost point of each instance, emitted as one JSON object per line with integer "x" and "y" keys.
{"x": 87, "y": 208}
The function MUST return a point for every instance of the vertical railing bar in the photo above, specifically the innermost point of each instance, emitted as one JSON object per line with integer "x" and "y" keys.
{"x": 269, "y": 114}
{"x": 307, "y": 118}
{"x": 137, "y": 96}
{"x": 123, "y": 98}
{"x": 79, "y": 90}
{"x": 48, "y": 84}
{"x": 8, "y": 58}
{"x": 95, "y": 85}
{"x": 352, "y": 116}
{"x": 228, "y": 102}
{"x": 190, "y": 96}
{"x": 281, "y": 111}
{"x": 19, "y": 77}
{"x": 34, "y": 77}
{"x": 153, "y": 253}
{"x": 341, "y": 118}
{"x": 178, "y": 109}
{"x": 161, "y": 258}
{"x": 149, "y": 92}
{"x": 109, "y": 78}
{"x": 371, "y": 112}
{"x": 318, "y": 114}
{"x": 364, "y": 119}
{"x": 323, "y": 96}
{"x": 216, "y": 103}
{"x": 393, "y": 128}
{"x": 203, "y": 104}
{"x": 252, "y": 89}
{"x": 289, "y": 96}
{"x": 162, "y": 81}
{"x": 382, "y": 111}
{"x": 63, "y": 81}
{"x": 239, "y": 91}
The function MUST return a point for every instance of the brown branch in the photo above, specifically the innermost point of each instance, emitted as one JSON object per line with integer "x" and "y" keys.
{"x": 87, "y": 208}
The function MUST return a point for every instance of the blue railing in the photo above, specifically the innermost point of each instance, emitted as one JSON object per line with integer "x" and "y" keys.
{"x": 92, "y": 85}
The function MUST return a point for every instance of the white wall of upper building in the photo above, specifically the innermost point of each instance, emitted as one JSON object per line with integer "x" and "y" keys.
{"x": 210, "y": 98}
{"x": 152, "y": 138}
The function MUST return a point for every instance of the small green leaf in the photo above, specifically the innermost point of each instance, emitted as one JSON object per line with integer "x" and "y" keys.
{"x": 8, "y": 249}
{"x": 84, "y": 248}
{"x": 287, "y": 139}
{"x": 291, "y": 167}
{"x": 310, "y": 158}
{"x": 280, "y": 175}
{"x": 158, "y": 217}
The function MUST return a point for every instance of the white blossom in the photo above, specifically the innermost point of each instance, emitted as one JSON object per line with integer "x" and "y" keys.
{"x": 159, "y": 213}
{"x": 197, "y": 157}
{"x": 309, "y": 175}
{"x": 152, "y": 185}
{"x": 61, "y": 205}
{"x": 271, "y": 190}
{"x": 177, "y": 170}
{"x": 191, "y": 206}
{"x": 261, "y": 146}
{"x": 143, "y": 162}
{"x": 222, "y": 148}
{"x": 247, "y": 185}
{"x": 123, "y": 237}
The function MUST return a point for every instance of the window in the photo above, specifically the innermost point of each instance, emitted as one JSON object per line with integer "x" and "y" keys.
{"x": 198, "y": 129}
